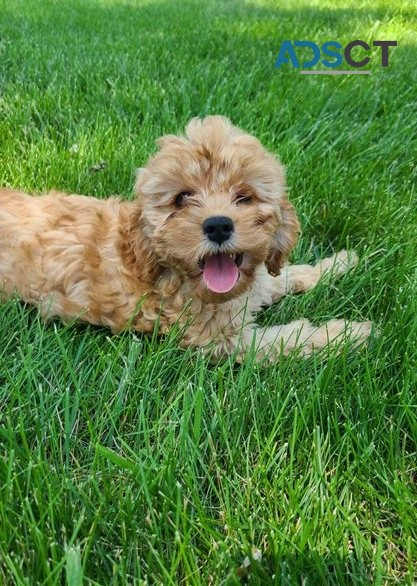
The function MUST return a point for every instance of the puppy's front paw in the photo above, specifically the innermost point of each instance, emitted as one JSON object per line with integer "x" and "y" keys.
{"x": 356, "y": 332}
{"x": 339, "y": 263}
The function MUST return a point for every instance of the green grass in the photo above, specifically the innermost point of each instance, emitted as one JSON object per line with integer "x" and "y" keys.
{"x": 125, "y": 460}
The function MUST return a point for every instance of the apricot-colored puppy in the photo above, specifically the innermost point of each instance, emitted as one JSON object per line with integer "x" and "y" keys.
{"x": 204, "y": 244}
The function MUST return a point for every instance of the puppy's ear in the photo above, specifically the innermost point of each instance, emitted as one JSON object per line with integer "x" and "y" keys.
{"x": 137, "y": 248}
{"x": 285, "y": 238}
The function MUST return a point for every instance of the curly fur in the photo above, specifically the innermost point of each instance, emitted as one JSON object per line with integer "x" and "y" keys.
{"x": 138, "y": 264}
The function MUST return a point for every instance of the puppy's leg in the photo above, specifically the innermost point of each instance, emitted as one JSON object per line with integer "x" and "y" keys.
{"x": 301, "y": 278}
{"x": 301, "y": 336}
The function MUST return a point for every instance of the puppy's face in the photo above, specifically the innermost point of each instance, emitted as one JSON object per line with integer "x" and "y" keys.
{"x": 213, "y": 206}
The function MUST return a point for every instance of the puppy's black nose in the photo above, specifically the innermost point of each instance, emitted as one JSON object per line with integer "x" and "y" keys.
{"x": 218, "y": 228}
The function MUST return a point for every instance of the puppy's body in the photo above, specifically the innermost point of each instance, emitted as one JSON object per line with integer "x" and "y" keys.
{"x": 69, "y": 254}
{"x": 156, "y": 260}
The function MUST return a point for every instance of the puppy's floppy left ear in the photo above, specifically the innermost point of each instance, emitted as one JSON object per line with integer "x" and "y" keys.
{"x": 285, "y": 238}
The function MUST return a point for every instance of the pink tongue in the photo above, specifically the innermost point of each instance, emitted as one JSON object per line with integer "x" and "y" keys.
{"x": 220, "y": 273}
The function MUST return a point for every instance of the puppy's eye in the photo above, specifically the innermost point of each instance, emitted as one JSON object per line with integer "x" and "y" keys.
{"x": 243, "y": 199}
{"x": 182, "y": 197}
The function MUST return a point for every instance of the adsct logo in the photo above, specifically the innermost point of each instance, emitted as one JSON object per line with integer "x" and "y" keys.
{"x": 288, "y": 54}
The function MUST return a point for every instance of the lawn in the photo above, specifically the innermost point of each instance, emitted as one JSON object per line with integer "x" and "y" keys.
{"x": 126, "y": 460}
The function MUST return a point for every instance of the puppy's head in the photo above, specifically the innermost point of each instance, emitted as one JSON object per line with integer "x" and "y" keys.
{"x": 214, "y": 207}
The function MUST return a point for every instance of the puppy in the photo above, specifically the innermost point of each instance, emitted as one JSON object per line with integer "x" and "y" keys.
{"x": 204, "y": 245}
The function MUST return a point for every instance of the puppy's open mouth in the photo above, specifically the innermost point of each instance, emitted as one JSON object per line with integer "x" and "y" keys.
{"x": 221, "y": 271}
